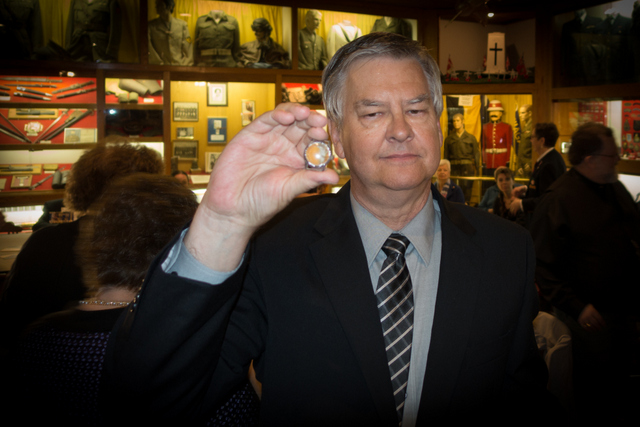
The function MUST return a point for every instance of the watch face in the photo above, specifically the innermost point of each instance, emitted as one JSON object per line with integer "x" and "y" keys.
{"x": 317, "y": 154}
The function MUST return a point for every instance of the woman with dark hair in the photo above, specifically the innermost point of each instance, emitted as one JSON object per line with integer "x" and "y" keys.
{"x": 46, "y": 276}
{"x": 59, "y": 360}
{"x": 504, "y": 181}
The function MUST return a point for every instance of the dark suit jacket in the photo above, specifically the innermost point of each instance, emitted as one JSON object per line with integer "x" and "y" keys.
{"x": 545, "y": 172}
{"x": 302, "y": 306}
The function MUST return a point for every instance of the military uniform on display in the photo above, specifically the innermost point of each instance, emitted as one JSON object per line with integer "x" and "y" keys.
{"x": 341, "y": 34}
{"x": 20, "y": 28}
{"x": 270, "y": 55}
{"x": 393, "y": 25}
{"x": 523, "y": 159}
{"x": 498, "y": 138}
{"x": 312, "y": 52}
{"x": 217, "y": 43}
{"x": 169, "y": 42}
{"x": 93, "y": 30}
{"x": 463, "y": 153}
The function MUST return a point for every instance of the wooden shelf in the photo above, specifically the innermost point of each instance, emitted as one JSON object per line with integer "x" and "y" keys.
{"x": 28, "y": 197}
{"x": 43, "y": 147}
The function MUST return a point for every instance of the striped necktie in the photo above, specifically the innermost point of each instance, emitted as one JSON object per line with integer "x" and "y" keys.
{"x": 395, "y": 305}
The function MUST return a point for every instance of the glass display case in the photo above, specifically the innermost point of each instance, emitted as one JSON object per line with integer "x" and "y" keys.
{"x": 598, "y": 45}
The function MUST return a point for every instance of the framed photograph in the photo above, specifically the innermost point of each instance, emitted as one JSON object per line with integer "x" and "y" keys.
{"x": 185, "y": 150}
{"x": 185, "y": 111}
{"x": 217, "y": 94}
{"x": 216, "y": 130}
{"x": 184, "y": 133}
{"x": 80, "y": 135}
{"x": 248, "y": 111}
{"x": 210, "y": 159}
{"x": 21, "y": 181}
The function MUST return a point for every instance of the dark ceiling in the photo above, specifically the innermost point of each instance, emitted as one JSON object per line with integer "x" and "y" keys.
{"x": 505, "y": 11}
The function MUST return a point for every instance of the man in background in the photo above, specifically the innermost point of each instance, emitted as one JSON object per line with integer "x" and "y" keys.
{"x": 586, "y": 231}
{"x": 549, "y": 166}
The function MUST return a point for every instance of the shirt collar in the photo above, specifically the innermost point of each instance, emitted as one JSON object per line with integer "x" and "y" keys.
{"x": 420, "y": 230}
{"x": 544, "y": 154}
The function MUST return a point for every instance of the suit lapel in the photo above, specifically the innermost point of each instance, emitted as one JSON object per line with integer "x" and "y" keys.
{"x": 342, "y": 263}
{"x": 460, "y": 269}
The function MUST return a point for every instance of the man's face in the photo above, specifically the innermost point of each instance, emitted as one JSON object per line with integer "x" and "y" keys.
{"x": 525, "y": 114}
{"x": 261, "y": 36}
{"x": 457, "y": 123}
{"x": 495, "y": 116}
{"x": 161, "y": 8}
{"x": 390, "y": 133}
{"x": 313, "y": 21}
{"x": 182, "y": 178}
{"x": 537, "y": 143}
{"x": 604, "y": 163}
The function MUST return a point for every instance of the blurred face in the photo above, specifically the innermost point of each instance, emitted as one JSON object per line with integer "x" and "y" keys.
{"x": 390, "y": 133}
{"x": 537, "y": 143}
{"x": 604, "y": 163}
{"x": 505, "y": 183}
{"x": 183, "y": 179}
{"x": 162, "y": 9}
{"x": 457, "y": 123}
{"x": 495, "y": 116}
{"x": 261, "y": 35}
{"x": 313, "y": 21}
{"x": 525, "y": 114}
{"x": 443, "y": 173}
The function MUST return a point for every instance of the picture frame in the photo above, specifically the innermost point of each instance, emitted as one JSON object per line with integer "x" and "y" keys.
{"x": 185, "y": 150}
{"x": 185, "y": 111}
{"x": 217, "y": 95}
{"x": 184, "y": 132}
{"x": 210, "y": 158}
{"x": 216, "y": 130}
{"x": 248, "y": 111}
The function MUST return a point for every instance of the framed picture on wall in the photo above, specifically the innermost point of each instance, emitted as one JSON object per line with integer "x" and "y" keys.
{"x": 184, "y": 133}
{"x": 217, "y": 94}
{"x": 216, "y": 130}
{"x": 185, "y": 150}
{"x": 210, "y": 159}
{"x": 185, "y": 111}
{"x": 248, "y": 111}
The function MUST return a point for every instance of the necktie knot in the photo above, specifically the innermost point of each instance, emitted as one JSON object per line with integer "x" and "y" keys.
{"x": 395, "y": 244}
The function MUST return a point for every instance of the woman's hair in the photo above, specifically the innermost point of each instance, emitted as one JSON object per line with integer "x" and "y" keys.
{"x": 97, "y": 167}
{"x": 503, "y": 170}
{"x": 445, "y": 162}
{"x": 134, "y": 218}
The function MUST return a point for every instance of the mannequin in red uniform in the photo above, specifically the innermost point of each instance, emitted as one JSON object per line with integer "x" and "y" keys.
{"x": 497, "y": 138}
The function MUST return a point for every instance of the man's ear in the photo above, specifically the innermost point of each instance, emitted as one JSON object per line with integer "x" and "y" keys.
{"x": 336, "y": 138}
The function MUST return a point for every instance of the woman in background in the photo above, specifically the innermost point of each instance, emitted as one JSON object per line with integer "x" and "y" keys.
{"x": 60, "y": 359}
{"x": 448, "y": 189}
{"x": 504, "y": 180}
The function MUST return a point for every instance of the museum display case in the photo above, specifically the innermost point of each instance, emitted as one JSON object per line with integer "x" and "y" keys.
{"x": 199, "y": 102}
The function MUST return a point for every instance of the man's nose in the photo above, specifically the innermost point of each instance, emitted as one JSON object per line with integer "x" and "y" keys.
{"x": 399, "y": 129}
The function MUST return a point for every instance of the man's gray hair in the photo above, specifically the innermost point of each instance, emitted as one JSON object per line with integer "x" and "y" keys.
{"x": 314, "y": 13}
{"x": 373, "y": 46}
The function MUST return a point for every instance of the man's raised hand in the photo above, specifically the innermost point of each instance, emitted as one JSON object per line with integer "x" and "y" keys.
{"x": 260, "y": 171}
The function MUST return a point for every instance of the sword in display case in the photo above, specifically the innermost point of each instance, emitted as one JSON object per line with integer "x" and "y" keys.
{"x": 80, "y": 92}
{"x": 37, "y": 92}
{"x": 26, "y": 95}
{"x": 31, "y": 79}
{"x": 73, "y": 87}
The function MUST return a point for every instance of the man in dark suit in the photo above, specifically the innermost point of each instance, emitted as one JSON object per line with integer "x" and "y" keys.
{"x": 586, "y": 231}
{"x": 298, "y": 289}
{"x": 548, "y": 167}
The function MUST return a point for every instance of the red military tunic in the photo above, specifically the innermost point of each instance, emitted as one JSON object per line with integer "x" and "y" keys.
{"x": 497, "y": 139}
